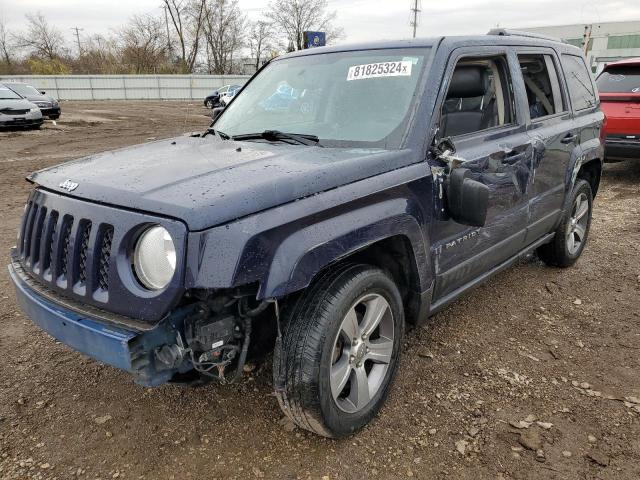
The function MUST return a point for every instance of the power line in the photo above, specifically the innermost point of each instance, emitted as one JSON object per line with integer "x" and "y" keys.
{"x": 415, "y": 9}
{"x": 78, "y": 30}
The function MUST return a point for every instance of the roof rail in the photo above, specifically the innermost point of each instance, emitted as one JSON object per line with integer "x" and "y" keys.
{"x": 519, "y": 33}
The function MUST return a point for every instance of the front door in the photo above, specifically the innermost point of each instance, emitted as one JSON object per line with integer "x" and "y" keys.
{"x": 479, "y": 111}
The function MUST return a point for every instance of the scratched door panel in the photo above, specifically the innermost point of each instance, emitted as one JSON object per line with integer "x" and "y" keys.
{"x": 503, "y": 162}
{"x": 500, "y": 156}
{"x": 553, "y": 135}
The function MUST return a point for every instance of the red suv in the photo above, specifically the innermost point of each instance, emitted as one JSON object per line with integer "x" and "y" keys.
{"x": 619, "y": 86}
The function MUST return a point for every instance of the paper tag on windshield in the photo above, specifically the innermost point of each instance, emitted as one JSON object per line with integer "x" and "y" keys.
{"x": 382, "y": 69}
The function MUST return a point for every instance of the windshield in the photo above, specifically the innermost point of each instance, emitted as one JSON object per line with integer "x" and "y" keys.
{"x": 24, "y": 90}
{"x": 620, "y": 80}
{"x": 6, "y": 94}
{"x": 357, "y": 99}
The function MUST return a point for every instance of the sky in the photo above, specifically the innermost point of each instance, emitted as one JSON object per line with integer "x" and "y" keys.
{"x": 361, "y": 20}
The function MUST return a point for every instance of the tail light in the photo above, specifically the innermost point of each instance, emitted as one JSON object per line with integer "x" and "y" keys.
{"x": 603, "y": 130}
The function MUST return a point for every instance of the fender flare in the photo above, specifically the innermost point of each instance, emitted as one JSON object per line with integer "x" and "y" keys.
{"x": 307, "y": 251}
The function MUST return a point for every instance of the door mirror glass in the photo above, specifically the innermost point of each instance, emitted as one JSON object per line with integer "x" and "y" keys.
{"x": 467, "y": 199}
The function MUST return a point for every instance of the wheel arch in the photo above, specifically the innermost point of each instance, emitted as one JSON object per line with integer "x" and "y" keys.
{"x": 394, "y": 243}
{"x": 591, "y": 171}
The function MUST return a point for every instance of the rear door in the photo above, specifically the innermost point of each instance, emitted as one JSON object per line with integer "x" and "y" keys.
{"x": 478, "y": 110}
{"x": 554, "y": 136}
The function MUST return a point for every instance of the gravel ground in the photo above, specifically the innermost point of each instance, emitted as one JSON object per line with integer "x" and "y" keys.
{"x": 536, "y": 374}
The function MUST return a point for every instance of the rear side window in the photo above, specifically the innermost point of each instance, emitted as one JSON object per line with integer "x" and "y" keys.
{"x": 579, "y": 82}
{"x": 542, "y": 85}
{"x": 620, "y": 80}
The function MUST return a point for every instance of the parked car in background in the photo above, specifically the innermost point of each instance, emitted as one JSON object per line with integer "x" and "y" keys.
{"x": 619, "y": 87}
{"x": 229, "y": 94}
{"x": 213, "y": 99}
{"x": 16, "y": 111}
{"x": 48, "y": 105}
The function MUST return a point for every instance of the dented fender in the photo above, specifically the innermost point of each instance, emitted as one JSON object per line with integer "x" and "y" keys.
{"x": 307, "y": 251}
{"x": 283, "y": 248}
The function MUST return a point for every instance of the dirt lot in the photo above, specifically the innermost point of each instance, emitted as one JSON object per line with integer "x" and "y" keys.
{"x": 535, "y": 344}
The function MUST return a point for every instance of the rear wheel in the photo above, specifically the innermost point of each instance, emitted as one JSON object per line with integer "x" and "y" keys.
{"x": 209, "y": 104}
{"x": 340, "y": 351}
{"x": 573, "y": 231}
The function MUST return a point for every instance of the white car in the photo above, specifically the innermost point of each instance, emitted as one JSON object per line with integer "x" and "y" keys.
{"x": 229, "y": 94}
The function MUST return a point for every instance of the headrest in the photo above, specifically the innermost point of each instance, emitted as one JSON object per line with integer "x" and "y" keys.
{"x": 467, "y": 82}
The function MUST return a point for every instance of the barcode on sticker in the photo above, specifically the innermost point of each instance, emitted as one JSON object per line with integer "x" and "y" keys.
{"x": 382, "y": 69}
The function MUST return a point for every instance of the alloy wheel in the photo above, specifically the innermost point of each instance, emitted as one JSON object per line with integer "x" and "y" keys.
{"x": 362, "y": 352}
{"x": 577, "y": 227}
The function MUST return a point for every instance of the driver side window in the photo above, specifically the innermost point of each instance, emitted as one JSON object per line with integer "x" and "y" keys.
{"x": 478, "y": 98}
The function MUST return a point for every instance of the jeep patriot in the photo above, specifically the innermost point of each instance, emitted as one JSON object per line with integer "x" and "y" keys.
{"x": 345, "y": 193}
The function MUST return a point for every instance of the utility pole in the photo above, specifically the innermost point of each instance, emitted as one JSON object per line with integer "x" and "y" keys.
{"x": 586, "y": 38}
{"x": 78, "y": 30}
{"x": 166, "y": 22}
{"x": 415, "y": 9}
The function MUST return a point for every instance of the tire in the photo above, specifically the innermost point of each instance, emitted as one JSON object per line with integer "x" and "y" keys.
{"x": 54, "y": 117}
{"x": 315, "y": 345}
{"x": 565, "y": 249}
{"x": 209, "y": 104}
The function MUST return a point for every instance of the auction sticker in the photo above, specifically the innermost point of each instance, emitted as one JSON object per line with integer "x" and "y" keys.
{"x": 382, "y": 69}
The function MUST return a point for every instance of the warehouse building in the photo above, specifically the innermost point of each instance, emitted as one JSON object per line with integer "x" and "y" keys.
{"x": 607, "y": 42}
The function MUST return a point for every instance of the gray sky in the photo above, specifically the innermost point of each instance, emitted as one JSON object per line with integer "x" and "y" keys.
{"x": 361, "y": 20}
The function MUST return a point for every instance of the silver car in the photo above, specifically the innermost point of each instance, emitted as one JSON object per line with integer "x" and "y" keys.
{"x": 17, "y": 111}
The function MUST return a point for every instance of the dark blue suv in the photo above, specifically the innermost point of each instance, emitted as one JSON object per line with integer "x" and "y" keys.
{"x": 399, "y": 176}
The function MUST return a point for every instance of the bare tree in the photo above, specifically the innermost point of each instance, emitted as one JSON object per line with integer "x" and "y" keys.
{"x": 260, "y": 41}
{"x": 223, "y": 29}
{"x": 4, "y": 44}
{"x": 187, "y": 18}
{"x": 142, "y": 45}
{"x": 43, "y": 40}
{"x": 294, "y": 17}
{"x": 100, "y": 54}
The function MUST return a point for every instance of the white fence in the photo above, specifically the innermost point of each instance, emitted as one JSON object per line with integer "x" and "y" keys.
{"x": 127, "y": 87}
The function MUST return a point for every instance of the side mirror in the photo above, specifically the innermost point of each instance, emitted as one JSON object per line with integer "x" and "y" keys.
{"x": 467, "y": 199}
{"x": 42, "y": 92}
{"x": 215, "y": 113}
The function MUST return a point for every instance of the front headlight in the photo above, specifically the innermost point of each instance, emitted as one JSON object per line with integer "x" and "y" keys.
{"x": 33, "y": 110}
{"x": 154, "y": 258}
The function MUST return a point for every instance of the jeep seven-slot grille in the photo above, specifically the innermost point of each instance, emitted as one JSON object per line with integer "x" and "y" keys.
{"x": 105, "y": 255}
{"x": 64, "y": 251}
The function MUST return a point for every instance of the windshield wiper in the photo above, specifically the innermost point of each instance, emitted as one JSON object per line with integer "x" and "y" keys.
{"x": 222, "y": 135}
{"x": 277, "y": 135}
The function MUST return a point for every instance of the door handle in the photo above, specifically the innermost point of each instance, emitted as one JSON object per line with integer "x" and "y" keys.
{"x": 569, "y": 138}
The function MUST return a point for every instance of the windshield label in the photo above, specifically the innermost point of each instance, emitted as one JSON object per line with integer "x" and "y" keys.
{"x": 382, "y": 69}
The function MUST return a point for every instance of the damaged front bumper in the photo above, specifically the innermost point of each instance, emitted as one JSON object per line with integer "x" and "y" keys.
{"x": 125, "y": 347}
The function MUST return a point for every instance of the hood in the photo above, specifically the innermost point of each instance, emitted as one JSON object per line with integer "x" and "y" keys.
{"x": 208, "y": 181}
{"x": 16, "y": 104}
{"x": 40, "y": 98}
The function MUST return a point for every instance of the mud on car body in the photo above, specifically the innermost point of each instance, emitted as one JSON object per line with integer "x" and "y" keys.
{"x": 321, "y": 229}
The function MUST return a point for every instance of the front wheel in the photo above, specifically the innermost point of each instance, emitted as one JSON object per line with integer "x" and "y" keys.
{"x": 209, "y": 104}
{"x": 573, "y": 231}
{"x": 340, "y": 351}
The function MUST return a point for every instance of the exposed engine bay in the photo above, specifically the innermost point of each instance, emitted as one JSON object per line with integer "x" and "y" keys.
{"x": 216, "y": 337}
